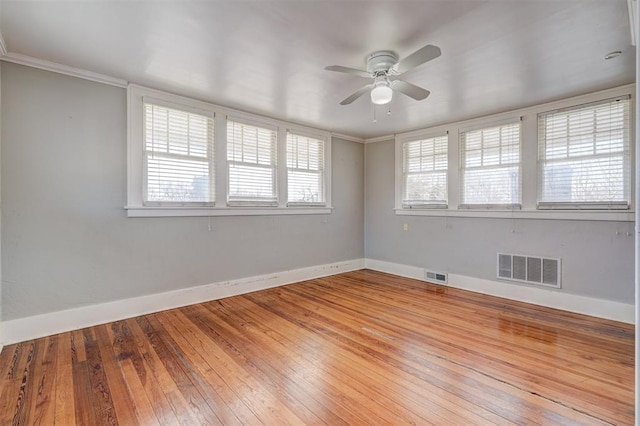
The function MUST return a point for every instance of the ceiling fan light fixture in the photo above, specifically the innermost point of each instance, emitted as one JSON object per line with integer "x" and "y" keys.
{"x": 381, "y": 94}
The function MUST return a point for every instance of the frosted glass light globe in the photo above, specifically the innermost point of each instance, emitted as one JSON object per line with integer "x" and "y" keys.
{"x": 381, "y": 94}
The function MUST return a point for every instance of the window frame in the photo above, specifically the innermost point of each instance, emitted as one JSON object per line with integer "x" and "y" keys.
{"x": 210, "y": 160}
{"x": 326, "y": 140}
{"x": 529, "y": 163}
{"x": 273, "y": 168}
{"x": 625, "y": 154}
{"x": 135, "y": 206}
{"x": 462, "y": 169}
{"x": 440, "y": 204}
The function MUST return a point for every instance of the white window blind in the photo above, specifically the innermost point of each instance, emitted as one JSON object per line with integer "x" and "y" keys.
{"x": 584, "y": 159}
{"x": 424, "y": 168}
{"x": 251, "y": 157}
{"x": 490, "y": 167}
{"x": 178, "y": 157}
{"x": 305, "y": 170}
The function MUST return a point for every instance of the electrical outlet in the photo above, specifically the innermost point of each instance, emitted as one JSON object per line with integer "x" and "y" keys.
{"x": 405, "y": 227}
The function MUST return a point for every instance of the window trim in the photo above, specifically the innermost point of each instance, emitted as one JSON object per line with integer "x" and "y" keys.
{"x": 135, "y": 156}
{"x": 529, "y": 153}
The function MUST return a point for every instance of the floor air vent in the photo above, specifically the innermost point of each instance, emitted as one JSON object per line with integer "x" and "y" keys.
{"x": 529, "y": 269}
{"x": 435, "y": 277}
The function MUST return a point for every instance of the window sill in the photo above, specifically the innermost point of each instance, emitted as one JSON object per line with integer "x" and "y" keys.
{"x": 614, "y": 216}
{"x": 222, "y": 211}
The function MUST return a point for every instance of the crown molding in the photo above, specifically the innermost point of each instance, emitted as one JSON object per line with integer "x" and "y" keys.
{"x": 347, "y": 137}
{"x": 632, "y": 6}
{"x": 3, "y": 46}
{"x": 42, "y": 64}
{"x": 380, "y": 139}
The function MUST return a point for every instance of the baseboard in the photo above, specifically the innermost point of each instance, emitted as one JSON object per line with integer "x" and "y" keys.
{"x": 551, "y": 298}
{"x": 33, "y": 327}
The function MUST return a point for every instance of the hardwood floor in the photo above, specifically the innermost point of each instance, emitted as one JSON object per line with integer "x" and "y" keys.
{"x": 356, "y": 348}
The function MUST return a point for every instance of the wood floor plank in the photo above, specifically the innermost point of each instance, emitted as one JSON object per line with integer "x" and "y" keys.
{"x": 64, "y": 402}
{"x": 124, "y": 410}
{"x": 84, "y": 407}
{"x": 42, "y": 410}
{"x": 101, "y": 391}
{"x": 356, "y": 348}
{"x": 14, "y": 360}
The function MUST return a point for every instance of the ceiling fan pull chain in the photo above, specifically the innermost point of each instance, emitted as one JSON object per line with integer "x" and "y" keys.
{"x": 374, "y": 113}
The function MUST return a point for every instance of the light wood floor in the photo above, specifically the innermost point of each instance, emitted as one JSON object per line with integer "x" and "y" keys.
{"x": 356, "y": 348}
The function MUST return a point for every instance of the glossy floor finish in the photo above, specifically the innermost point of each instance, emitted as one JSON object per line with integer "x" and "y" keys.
{"x": 356, "y": 348}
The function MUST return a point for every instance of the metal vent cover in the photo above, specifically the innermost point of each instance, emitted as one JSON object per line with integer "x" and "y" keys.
{"x": 536, "y": 270}
{"x": 440, "y": 277}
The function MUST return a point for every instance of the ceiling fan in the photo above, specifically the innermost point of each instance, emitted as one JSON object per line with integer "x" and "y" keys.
{"x": 383, "y": 64}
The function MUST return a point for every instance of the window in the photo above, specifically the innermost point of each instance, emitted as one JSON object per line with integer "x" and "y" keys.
{"x": 570, "y": 159}
{"x": 178, "y": 157}
{"x": 490, "y": 167}
{"x": 424, "y": 171}
{"x": 584, "y": 159}
{"x": 305, "y": 170}
{"x": 251, "y": 158}
{"x": 191, "y": 158}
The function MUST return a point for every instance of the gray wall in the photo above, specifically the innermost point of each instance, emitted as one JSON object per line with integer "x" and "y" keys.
{"x": 595, "y": 260}
{"x": 66, "y": 241}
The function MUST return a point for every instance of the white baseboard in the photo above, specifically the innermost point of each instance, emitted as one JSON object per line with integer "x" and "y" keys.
{"x": 33, "y": 327}
{"x": 551, "y": 298}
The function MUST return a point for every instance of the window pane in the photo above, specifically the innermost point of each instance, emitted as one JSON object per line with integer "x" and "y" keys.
{"x": 592, "y": 180}
{"x": 426, "y": 187}
{"x": 170, "y": 179}
{"x": 305, "y": 187}
{"x": 248, "y": 183}
{"x": 491, "y": 186}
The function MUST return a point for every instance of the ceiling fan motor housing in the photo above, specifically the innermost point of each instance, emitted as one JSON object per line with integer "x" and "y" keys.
{"x": 381, "y": 61}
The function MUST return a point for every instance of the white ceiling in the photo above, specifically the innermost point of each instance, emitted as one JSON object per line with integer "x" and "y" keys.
{"x": 268, "y": 56}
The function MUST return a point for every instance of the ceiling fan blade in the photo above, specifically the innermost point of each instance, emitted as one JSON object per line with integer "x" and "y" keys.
{"x": 361, "y": 91}
{"x": 411, "y": 90}
{"x": 348, "y": 70}
{"x": 418, "y": 57}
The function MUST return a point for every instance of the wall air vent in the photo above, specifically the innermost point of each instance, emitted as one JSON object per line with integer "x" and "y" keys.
{"x": 435, "y": 277}
{"x": 529, "y": 269}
